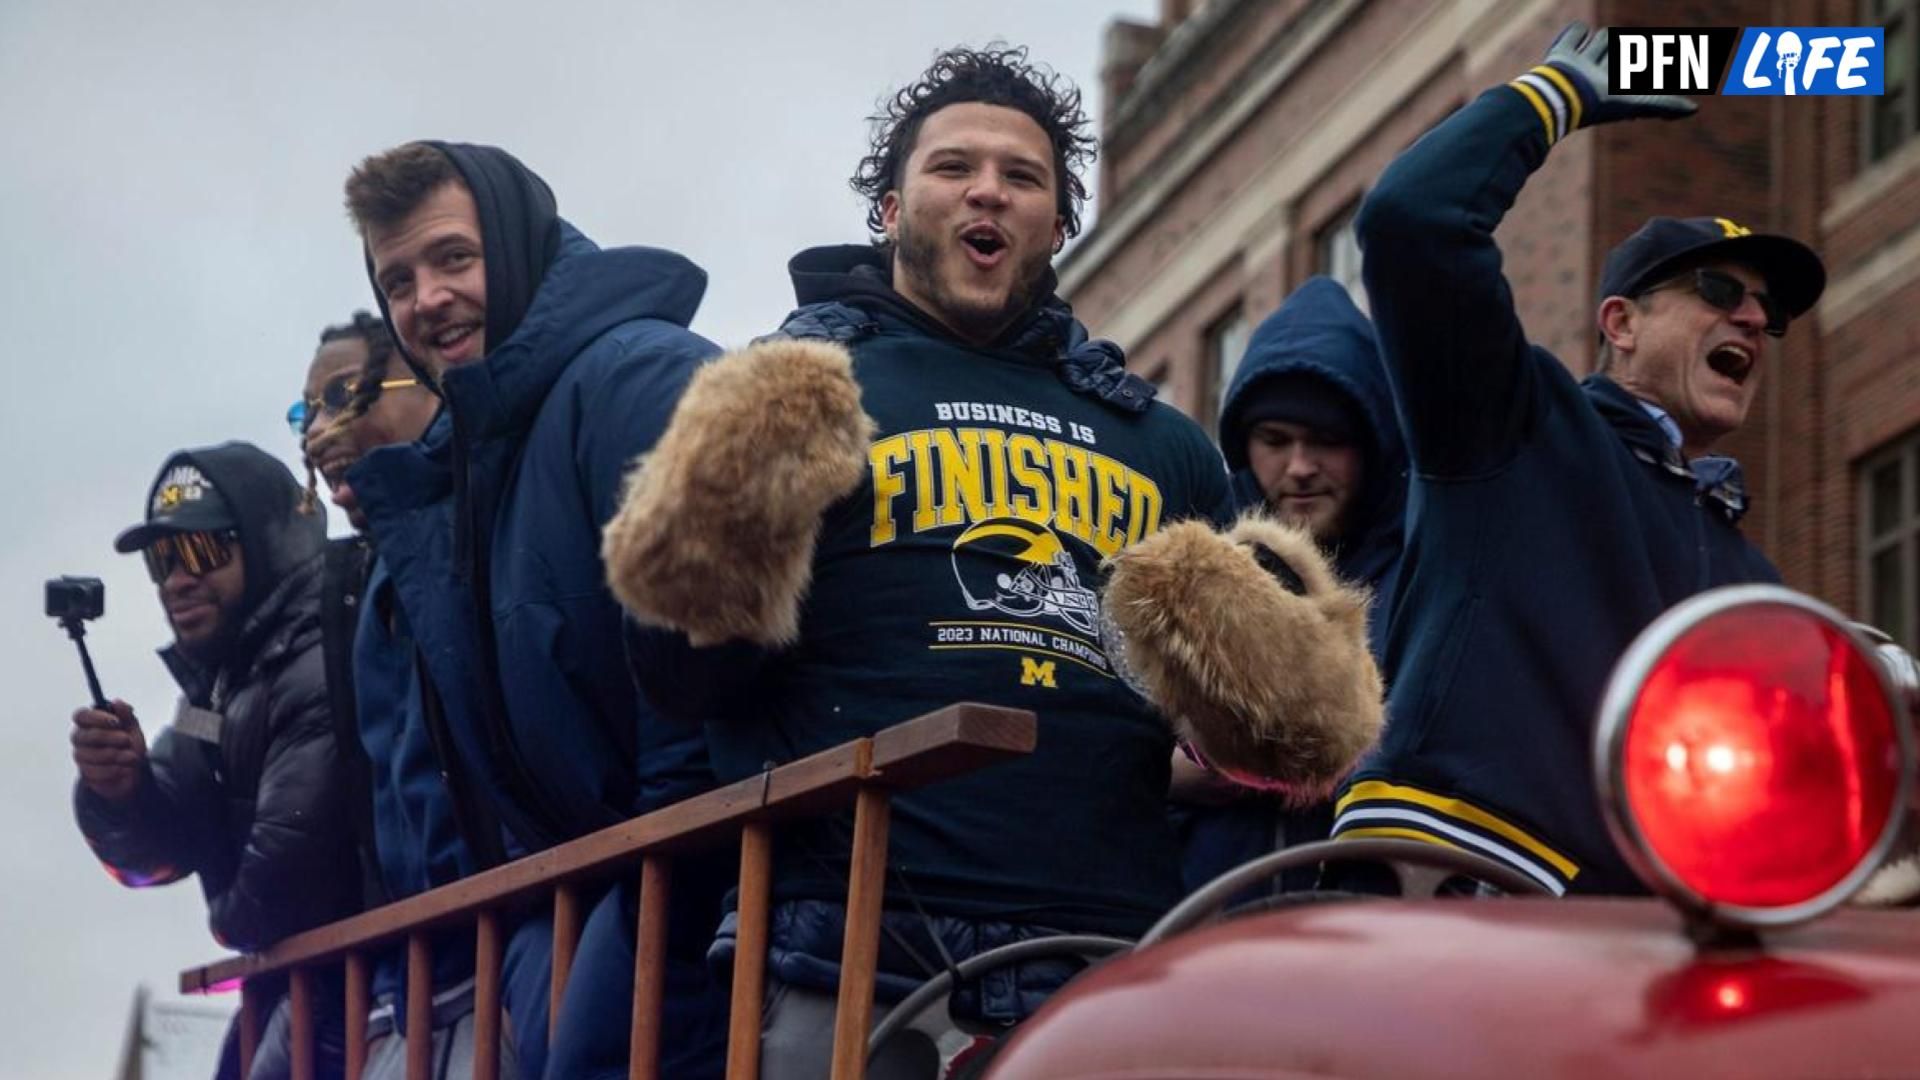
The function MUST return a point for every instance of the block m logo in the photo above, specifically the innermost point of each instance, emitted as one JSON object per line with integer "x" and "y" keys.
{"x": 1036, "y": 672}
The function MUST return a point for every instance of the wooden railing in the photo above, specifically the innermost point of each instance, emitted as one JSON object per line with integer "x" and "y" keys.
{"x": 941, "y": 744}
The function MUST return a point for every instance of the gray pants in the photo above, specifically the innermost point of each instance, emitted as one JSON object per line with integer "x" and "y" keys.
{"x": 796, "y": 1040}
{"x": 452, "y": 1040}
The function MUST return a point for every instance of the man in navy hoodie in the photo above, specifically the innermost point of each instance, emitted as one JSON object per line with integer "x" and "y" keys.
{"x": 559, "y": 363}
{"x": 1309, "y": 430}
{"x": 1552, "y": 519}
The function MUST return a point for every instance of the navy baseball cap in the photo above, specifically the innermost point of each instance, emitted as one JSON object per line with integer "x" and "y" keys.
{"x": 1665, "y": 246}
{"x": 183, "y": 500}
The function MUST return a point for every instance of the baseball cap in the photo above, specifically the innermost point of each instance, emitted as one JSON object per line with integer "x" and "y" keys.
{"x": 1665, "y": 246}
{"x": 183, "y": 500}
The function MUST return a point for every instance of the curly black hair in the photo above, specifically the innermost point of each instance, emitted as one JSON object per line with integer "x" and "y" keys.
{"x": 996, "y": 75}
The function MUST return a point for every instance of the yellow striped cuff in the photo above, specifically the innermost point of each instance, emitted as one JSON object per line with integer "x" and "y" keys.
{"x": 1554, "y": 97}
{"x": 1380, "y": 808}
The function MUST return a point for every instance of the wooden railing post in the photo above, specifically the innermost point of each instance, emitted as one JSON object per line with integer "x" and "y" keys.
{"x": 419, "y": 1033}
{"x": 860, "y": 954}
{"x": 488, "y": 949}
{"x": 650, "y": 967}
{"x": 358, "y": 993}
{"x": 300, "y": 1010}
{"x": 567, "y": 918}
{"x": 750, "y": 952}
{"x": 252, "y": 1014}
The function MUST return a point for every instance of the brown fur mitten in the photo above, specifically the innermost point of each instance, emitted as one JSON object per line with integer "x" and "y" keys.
{"x": 1271, "y": 683}
{"x": 716, "y": 531}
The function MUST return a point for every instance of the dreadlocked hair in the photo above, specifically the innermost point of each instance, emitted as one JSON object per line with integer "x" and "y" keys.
{"x": 371, "y": 330}
{"x": 996, "y": 75}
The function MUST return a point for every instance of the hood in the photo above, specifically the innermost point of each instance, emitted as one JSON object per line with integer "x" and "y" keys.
{"x": 1319, "y": 332}
{"x": 280, "y": 528}
{"x": 585, "y": 292}
{"x": 831, "y": 282}
{"x": 519, "y": 236}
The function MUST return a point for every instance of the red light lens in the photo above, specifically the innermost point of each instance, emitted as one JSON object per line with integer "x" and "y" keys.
{"x": 1761, "y": 759}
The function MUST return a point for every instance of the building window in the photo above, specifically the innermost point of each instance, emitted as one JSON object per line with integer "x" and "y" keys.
{"x": 1894, "y": 117}
{"x": 1890, "y": 526}
{"x": 1226, "y": 343}
{"x": 1338, "y": 254}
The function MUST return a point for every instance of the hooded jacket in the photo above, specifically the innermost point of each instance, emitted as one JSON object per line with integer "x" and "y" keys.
{"x": 1318, "y": 332}
{"x": 1550, "y": 522}
{"x": 506, "y": 595}
{"x": 257, "y": 811}
{"x": 927, "y": 589}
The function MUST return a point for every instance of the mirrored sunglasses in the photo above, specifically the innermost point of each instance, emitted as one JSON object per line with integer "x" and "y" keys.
{"x": 198, "y": 553}
{"x": 1725, "y": 292}
{"x": 335, "y": 395}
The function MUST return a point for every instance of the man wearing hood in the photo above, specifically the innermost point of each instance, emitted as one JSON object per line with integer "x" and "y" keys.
{"x": 559, "y": 363}
{"x": 1554, "y": 519}
{"x": 1309, "y": 430}
{"x": 243, "y": 789}
{"x": 942, "y": 463}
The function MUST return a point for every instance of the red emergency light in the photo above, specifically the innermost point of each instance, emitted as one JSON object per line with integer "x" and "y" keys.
{"x": 1752, "y": 757}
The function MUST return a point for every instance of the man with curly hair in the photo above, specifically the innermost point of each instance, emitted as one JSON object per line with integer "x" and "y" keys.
{"x": 942, "y": 463}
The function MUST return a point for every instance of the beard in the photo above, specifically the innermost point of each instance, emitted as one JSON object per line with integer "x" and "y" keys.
{"x": 917, "y": 254}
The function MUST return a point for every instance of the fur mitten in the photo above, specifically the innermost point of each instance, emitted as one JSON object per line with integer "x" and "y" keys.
{"x": 716, "y": 531}
{"x": 1254, "y": 649}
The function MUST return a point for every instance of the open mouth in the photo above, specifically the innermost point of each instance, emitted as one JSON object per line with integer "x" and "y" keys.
{"x": 985, "y": 242}
{"x": 453, "y": 337}
{"x": 1732, "y": 361}
{"x": 333, "y": 470}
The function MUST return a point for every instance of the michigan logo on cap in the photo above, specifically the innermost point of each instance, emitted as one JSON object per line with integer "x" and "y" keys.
{"x": 1732, "y": 229}
{"x": 182, "y": 484}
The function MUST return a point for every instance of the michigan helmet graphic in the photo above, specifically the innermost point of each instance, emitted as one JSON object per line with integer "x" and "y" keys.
{"x": 1020, "y": 568}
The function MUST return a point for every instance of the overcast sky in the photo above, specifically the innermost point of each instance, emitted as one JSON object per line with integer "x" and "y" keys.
{"x": 173, "y": 243}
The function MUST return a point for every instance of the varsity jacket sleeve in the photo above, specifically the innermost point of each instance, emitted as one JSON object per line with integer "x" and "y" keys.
{"x": 1457, "y": 356}
{"x": 296, "y": 847}
{"x": 167, "y": 830}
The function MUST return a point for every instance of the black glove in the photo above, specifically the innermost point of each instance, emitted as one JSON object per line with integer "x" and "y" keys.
{"x": 1570, "y": 90}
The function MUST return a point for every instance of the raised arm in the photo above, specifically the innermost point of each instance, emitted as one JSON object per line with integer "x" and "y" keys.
{"x": 1454, "y": 348}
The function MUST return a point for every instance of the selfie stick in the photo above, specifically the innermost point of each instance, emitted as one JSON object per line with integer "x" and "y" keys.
{"x": 77, "y": 630}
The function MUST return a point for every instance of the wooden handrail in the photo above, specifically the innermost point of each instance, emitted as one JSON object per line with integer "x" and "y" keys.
{"x": 942, "y": 744}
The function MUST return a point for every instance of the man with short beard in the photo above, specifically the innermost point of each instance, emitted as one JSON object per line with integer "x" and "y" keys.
{"x": 968, "y": 461}
{"x": 1556, "y": 518}
{"x": 244, "y": 789}
{"x": 1309, "y": 430}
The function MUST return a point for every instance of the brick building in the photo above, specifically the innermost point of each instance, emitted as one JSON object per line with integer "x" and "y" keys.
{"x": 1240, "y": 136}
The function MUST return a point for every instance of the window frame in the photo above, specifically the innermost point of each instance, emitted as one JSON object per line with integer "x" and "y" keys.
{"x": 1903, "y": 536}
{"x": 1886, "y": 14}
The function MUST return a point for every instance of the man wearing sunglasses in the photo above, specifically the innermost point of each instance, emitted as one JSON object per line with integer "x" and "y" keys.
{"x": 1553, "y": 518}
{"x": 358, "y": 396}
{"x": 243, "y": 789}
